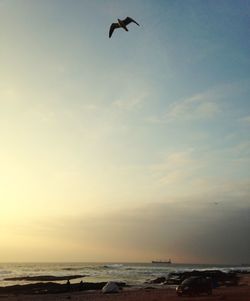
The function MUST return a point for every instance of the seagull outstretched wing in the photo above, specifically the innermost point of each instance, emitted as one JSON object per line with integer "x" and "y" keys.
{"x": 129, "y": 20}
{"x": 112, "y": 28}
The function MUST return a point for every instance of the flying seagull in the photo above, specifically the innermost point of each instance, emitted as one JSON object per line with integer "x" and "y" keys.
{"x": 121, "y": 24}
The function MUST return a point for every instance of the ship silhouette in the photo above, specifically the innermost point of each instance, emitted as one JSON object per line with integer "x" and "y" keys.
{"x": 162, "y": 261}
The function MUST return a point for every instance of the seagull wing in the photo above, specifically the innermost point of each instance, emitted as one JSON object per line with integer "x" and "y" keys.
{"x": 112, "y": 28}
{"x": 129, "y": 20}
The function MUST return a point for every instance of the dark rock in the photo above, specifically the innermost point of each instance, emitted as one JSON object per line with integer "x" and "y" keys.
{"x": 158, "y": 280}
{"x": 217, "y": 277}
{"x": 53, "y": 288}
{"x": 34, "y": 288}
{"x": 99, "y": 285}
{"x": 44, "y": 278}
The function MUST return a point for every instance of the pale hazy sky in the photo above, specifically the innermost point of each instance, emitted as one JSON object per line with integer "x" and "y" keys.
{"x": 125, "y": 149}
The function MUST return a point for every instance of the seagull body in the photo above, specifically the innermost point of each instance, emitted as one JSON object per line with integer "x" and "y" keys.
{"x": 121, "y": 24}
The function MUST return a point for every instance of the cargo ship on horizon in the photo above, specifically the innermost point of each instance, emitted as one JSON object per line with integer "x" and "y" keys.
{"x": 162, "y": 261}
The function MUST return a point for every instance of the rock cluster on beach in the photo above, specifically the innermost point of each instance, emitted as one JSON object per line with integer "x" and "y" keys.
{"x": 218, "y": 277}
{"x": 54, "y": 288}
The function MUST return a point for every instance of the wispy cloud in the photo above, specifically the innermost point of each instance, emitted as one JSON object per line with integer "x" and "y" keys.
{"x": 130, "y": 102}
{"x": 203, "y": 171}
{"x": 175, "y": 167}
{"x": 245, "y": 120}
{"x": 203, "y": 106}
{"x": 197, "y": 107}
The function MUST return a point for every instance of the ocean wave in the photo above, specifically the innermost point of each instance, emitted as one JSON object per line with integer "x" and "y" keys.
{"x": 72, "y": 269}
{"x": 113, "y": 266}
{"x": 4, "y": 272}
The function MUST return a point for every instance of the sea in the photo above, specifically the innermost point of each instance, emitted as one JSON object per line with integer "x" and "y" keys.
{"x": 130, "y": 273}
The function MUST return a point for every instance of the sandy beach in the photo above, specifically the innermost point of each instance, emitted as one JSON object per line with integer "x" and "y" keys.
{"x": 235, "y": 293}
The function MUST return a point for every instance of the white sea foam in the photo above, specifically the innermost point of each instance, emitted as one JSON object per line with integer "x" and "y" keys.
{"x": 113, "y": 266}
